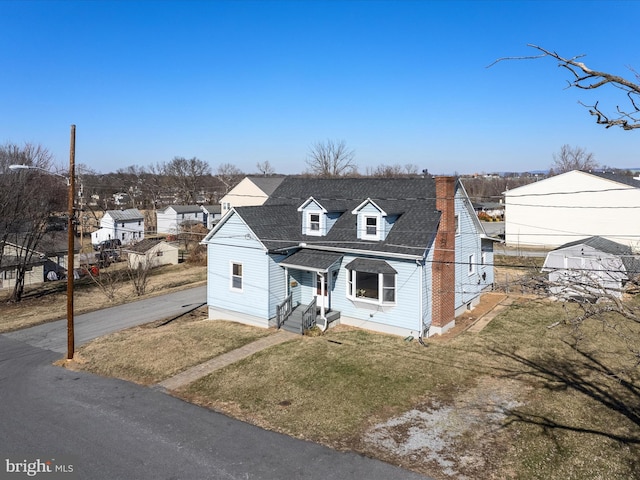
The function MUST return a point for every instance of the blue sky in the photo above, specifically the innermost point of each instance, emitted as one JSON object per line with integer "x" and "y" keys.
{"x": 241, "y": 82}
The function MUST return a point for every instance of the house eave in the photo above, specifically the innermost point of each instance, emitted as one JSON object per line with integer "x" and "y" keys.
{"x": 380, "y": 253}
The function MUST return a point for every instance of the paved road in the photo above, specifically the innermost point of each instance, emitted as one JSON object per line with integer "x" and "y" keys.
{"x": 53, "y": 336}
{"x": 110, "y": 429}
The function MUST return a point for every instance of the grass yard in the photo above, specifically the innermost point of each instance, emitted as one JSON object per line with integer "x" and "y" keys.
{"x": 151, "y": 353}
{"x": 515, "y": 401}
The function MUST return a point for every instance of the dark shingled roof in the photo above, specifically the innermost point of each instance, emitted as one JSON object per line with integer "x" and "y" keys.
{"x": 267, "y": 184}
{"x": 313, "y": 259}
{"x": 371, "y": 266}
{"x": 624, "y": 179}
{"x": 278, "y": 224}
{"x": 143, "y": 245}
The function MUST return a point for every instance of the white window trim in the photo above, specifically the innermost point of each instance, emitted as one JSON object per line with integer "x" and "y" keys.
{"x": 308, "y": 230}
{"x": 365, "y": 235}
{"x": 352, "y": 285}
{"x": 231, "y": 277}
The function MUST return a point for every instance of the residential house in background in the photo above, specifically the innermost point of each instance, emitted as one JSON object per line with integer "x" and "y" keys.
{"x": 174, "y": 218}
{"x": 11, "y": 261}
{"x": 212, "y": 214}
{"x": 591, "y": 266}
{"x": 151, "y": 253}
{"x": 127, "y": 226}
{"x": 572, "y": 206}
{"x": 250, "y": 191}
{"x": 398, "y": 255}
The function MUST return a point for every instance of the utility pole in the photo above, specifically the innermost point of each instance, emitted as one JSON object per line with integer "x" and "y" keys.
{"x": 71, "y": 244}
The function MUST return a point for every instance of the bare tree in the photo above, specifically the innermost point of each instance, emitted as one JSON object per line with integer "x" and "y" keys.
{"x": 28, "y": 198}
{"x": 387, "y": 171}
{"x": 585, "y": 78}
{"x": 109, "y": 282}
{"x": 265, "y": 168}
{"x": 139, "y": 270}
{"x": 572, "y": 158}
{"x": 229, "y": 175}
{"x": 331, "y": 159}
{"x": 411, "y": 169}
{"x": 186, "y": 177}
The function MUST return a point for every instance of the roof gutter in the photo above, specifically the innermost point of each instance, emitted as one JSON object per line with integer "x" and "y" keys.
{"x": 403, "y": 256}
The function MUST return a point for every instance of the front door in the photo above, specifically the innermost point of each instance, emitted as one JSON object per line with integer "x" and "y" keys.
{"x": 322, "y": 290}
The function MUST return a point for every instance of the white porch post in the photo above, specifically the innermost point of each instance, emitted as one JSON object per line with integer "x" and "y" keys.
{"x": 286, "y": 282}
{"x": 322, "y": 291}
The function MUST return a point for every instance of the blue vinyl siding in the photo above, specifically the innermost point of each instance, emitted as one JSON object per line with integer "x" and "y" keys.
{"x": 487, "y": 268}
{"x": 223, "y": 250}
{"x": 404, "y": 314}
{"x": 387, "y": 223}
{"x": 427, "y": 285}
{"x": 332, "y": 218}
{"x": 468, "y": 242}
{"x": 307, "y": 287}
{"x": 277, "y": 283}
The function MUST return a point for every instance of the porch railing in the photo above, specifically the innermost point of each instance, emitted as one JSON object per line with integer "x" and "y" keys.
{"x": 284, "y": 310}
{"x": 309, "y": 316}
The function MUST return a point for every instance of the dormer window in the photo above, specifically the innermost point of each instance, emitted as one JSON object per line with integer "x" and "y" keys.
{"x": 373, "y": 223}
{"x": 314, "y": 222}
{"x": 371, "y": 226}
{"x": 315, "y": 219}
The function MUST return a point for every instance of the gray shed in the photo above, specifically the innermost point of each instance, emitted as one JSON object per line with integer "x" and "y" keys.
{"x": 590, "y": 267}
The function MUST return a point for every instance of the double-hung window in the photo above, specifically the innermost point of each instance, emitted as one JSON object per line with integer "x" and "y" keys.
{"x": 314, "y": 223}
{"x": 236, "y": 276}
{"x": 371, "y": 227}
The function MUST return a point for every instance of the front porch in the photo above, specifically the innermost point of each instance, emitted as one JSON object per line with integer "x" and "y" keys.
{"x": 310, "y": 279}
{"x": 303, "y": 317}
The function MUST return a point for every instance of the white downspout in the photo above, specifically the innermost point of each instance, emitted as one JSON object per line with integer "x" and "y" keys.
{"x": 420, "y": 297}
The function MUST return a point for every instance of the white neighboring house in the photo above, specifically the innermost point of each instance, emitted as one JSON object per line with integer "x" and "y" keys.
{"x": 592, "y": 266}
{"x": 124, "y": 225}
{"x": 171, "y": 219}
{"x": 212, "y": 214}
{"x": 152, "y": 253}
{"x": 251, "y": 191}
{"x": 571, "y": 206}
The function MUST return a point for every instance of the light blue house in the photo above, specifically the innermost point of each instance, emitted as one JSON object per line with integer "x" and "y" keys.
{"x": 396, "y": 255}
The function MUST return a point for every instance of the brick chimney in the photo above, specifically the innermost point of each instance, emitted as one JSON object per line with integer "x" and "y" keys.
{"x": 444, "y": 257}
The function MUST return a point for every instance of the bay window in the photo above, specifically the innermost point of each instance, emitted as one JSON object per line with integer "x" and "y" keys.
{"x": 374, "y": 287}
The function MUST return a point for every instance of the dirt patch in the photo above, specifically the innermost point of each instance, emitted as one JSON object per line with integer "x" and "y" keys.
{"x": 458, "y": 440}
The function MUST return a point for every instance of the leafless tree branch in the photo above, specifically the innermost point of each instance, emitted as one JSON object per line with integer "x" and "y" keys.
{"x": 586, "y": 78}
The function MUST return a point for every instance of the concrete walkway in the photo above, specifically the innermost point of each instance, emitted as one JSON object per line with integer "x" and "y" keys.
{"x": 194, "y": 373}
{"x": 484, "y": 320}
